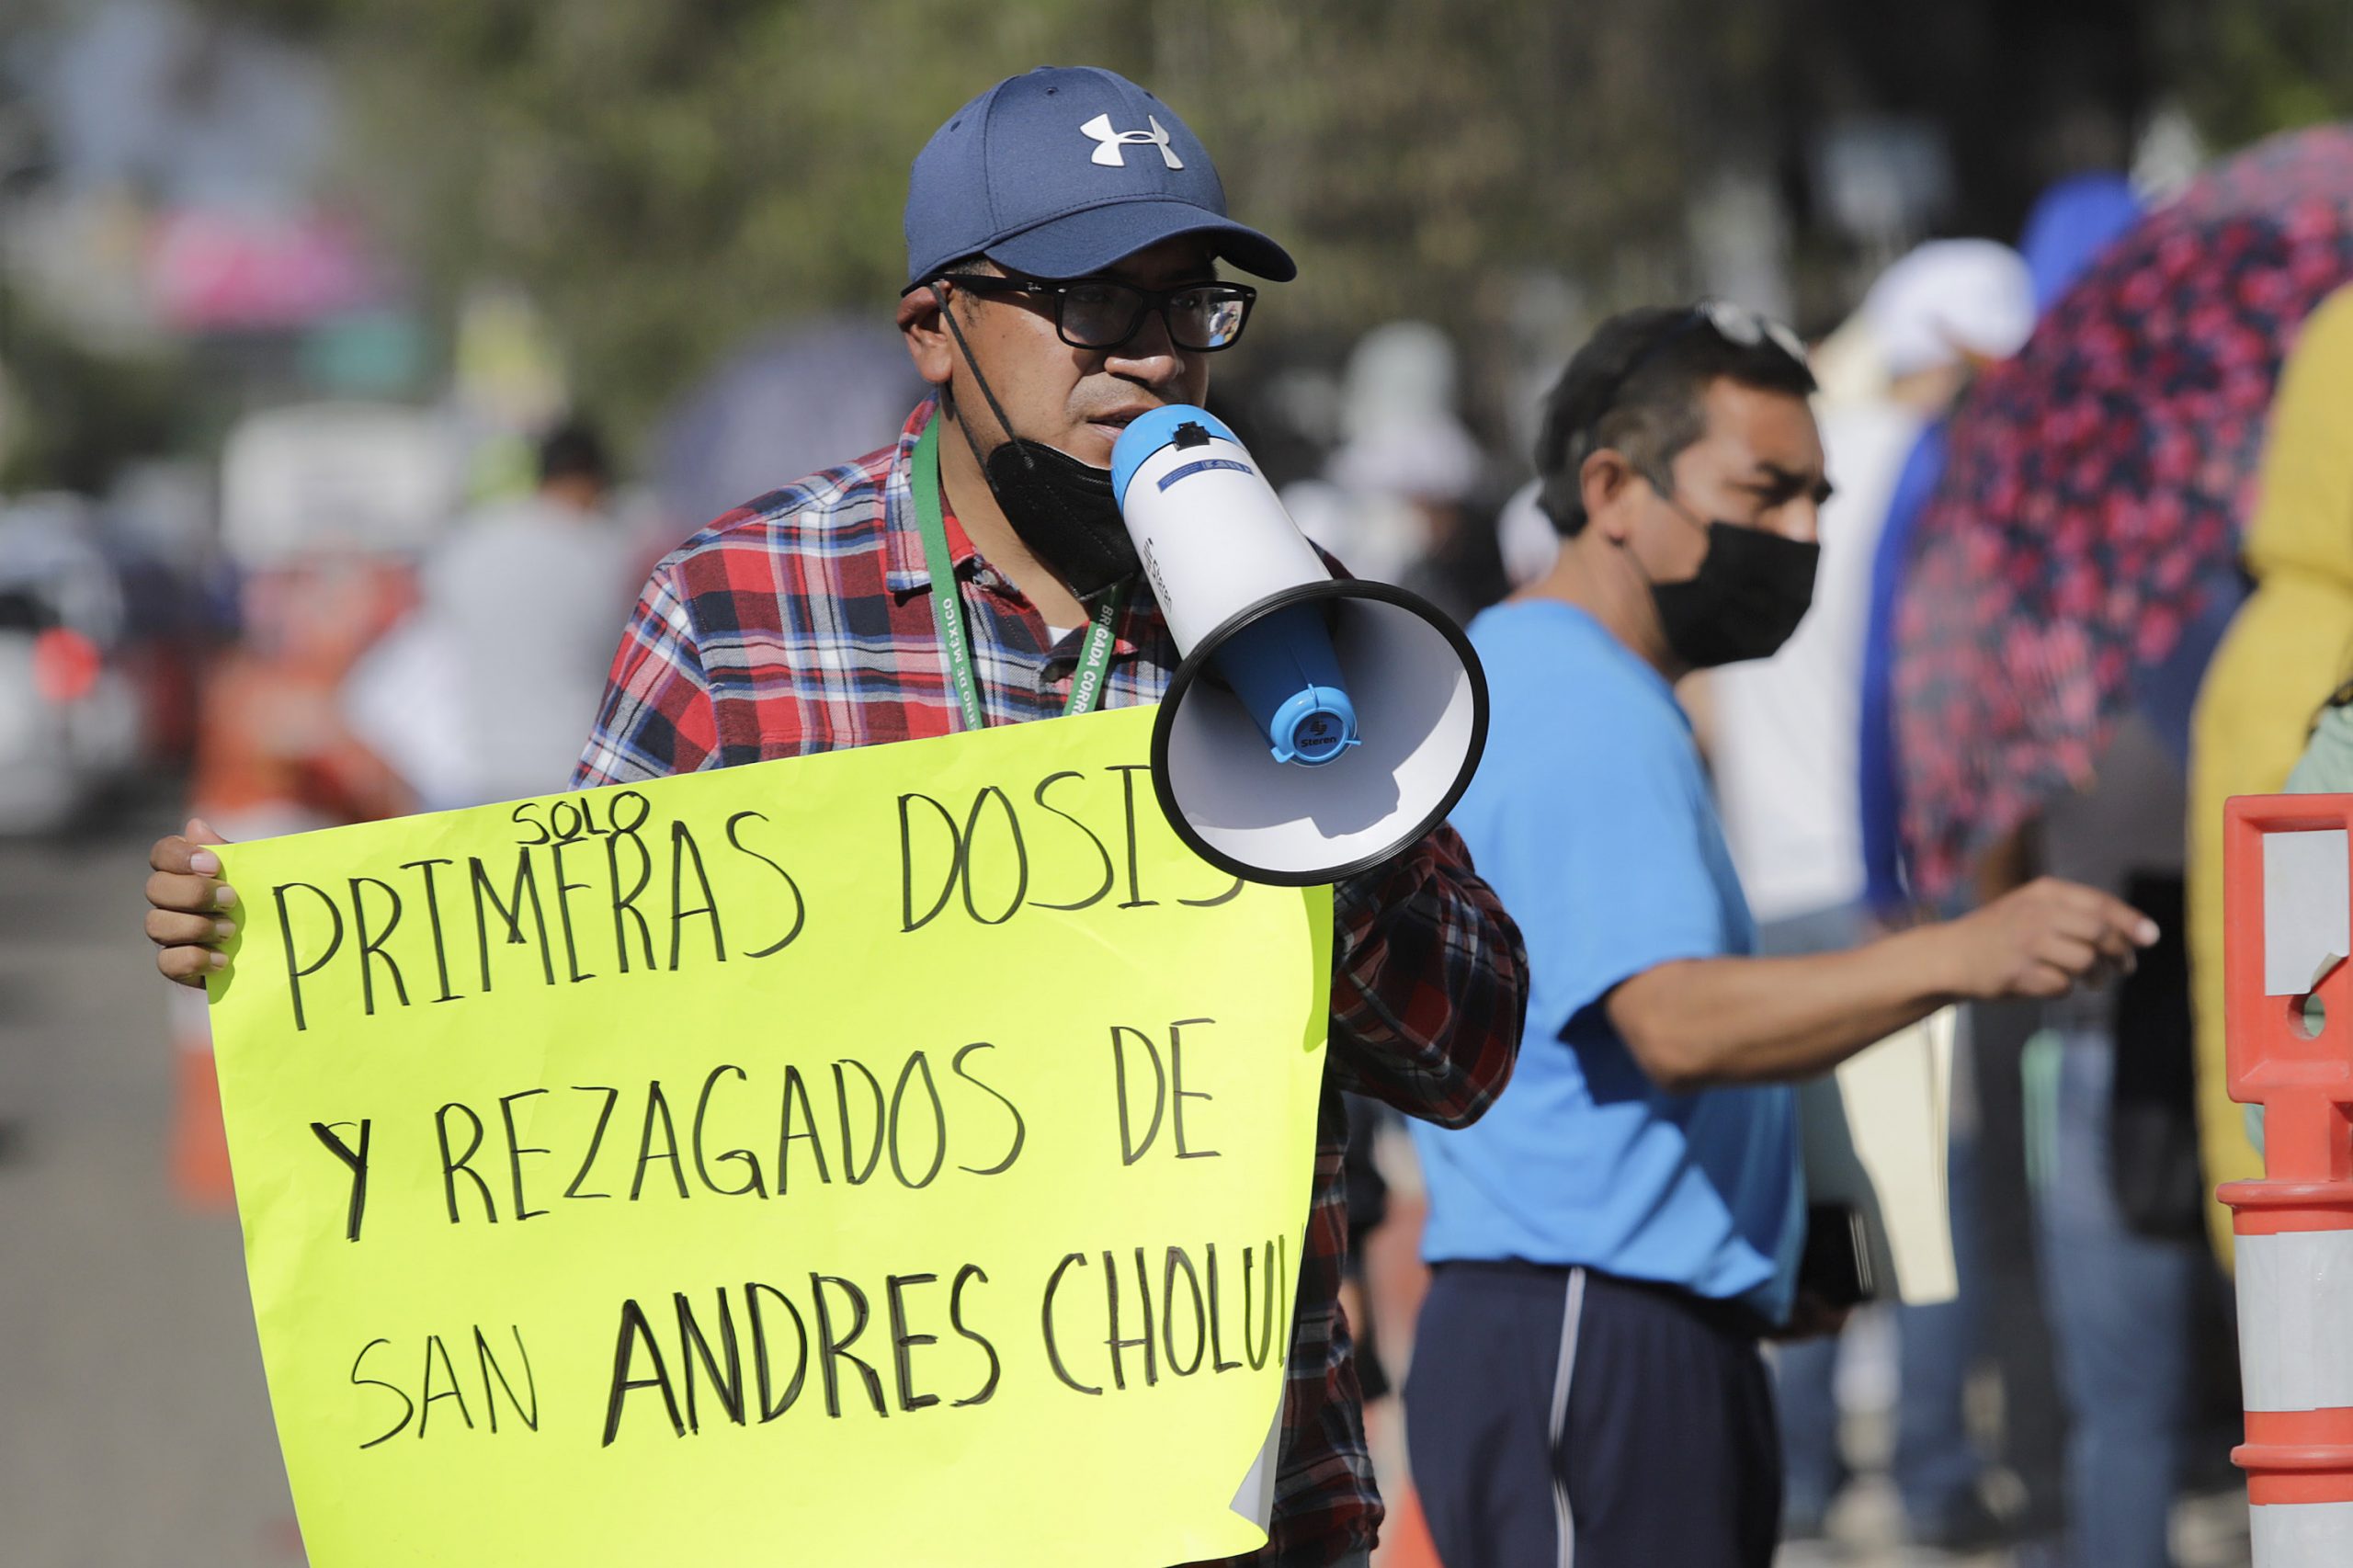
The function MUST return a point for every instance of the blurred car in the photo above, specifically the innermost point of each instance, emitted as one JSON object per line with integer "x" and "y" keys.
{"x": 69, "y": 714}
{"x": 158, "y": 527}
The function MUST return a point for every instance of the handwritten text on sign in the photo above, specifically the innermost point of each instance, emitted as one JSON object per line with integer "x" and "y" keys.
{"x": 895, "y": 1155}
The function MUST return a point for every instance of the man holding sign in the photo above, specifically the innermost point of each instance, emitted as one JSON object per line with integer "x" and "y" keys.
{"x": 1063, "y": 231}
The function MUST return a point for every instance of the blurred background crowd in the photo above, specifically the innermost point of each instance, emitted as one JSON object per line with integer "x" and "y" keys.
{"x": 327, "y": 324}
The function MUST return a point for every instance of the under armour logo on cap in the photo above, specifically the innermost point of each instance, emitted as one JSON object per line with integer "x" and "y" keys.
{"x": 1015, "y": 176}
{"x": 1108, "y": 142}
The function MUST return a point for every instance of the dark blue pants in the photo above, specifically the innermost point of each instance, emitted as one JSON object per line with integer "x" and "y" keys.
{"x": 1562, "y": 1416}
{"x": 2121, "y": 1307}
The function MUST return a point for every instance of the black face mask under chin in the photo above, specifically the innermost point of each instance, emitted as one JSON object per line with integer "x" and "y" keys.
{"x": 1744, "y": 602}
{"x": 1065, "y": 511}
{"x": 1062, "y": 508}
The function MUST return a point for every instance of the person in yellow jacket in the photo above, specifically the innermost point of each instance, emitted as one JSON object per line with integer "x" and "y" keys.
{"x": 2289, "y": 648}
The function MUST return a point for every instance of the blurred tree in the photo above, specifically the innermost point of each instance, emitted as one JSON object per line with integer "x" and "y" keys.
{"x": 2245, "y": 68}
{"x": 666, "y": 177}
{"x": 663, "y": 178}
{"x": 76, "y": 416}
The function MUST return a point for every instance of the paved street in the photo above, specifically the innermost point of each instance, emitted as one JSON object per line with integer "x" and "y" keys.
{"x": 134, "y": 1427}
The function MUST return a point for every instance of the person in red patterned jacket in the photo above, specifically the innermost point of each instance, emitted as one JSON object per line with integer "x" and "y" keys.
{"x": 1063, "y": 230}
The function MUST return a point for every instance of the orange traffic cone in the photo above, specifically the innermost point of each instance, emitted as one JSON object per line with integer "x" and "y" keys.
{"x": 2288, "y": 892}
{"x": 199, "y": 1159}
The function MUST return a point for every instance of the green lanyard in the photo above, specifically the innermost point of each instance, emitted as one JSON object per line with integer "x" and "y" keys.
{"x": 948, "y": 615}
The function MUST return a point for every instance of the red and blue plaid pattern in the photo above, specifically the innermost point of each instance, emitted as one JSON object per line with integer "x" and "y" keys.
{"x": 798, "y": 623}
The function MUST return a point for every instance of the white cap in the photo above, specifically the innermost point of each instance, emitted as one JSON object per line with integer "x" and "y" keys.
{"x": 1948, "y": 297}
{"x": 1398, "y": 370}
{"x": 1429, "y": 458}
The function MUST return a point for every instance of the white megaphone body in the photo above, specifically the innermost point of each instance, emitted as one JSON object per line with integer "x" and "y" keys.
{"x": 1316, "y": 726}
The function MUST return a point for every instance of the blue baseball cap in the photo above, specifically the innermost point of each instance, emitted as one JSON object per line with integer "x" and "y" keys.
{"x": 1060, "y": 172}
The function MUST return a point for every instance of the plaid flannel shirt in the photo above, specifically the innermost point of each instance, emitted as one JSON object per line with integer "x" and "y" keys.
{"x": 800, "y": 623}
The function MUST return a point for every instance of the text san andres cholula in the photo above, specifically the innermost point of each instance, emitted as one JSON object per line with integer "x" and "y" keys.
{"x": 597, "y": 887}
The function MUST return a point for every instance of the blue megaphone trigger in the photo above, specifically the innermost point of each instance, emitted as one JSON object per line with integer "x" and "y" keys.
{"x": 1285, "y": 673}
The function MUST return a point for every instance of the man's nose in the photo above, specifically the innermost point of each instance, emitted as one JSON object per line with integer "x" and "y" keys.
{"x": 1150, "y": 356}
{"x": 1800, "y": 520}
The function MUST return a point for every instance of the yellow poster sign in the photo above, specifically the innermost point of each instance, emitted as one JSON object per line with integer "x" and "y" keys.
{"x": 898, "y": 1155}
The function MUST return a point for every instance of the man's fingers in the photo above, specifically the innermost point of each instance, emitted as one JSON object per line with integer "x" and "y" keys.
{"x": 189, "y": 894}
{"x": 184, "y": 857}
{"x": 167, "y": 928}
{"x": 2044, "y": 982}
{"x": 2114, "y": 941}
{"x": 2137, "y": 928}
{"x": 2110, "y": 924}
{"x": 2119, "y": 915}
{"x": 190, "y": 907}
{"x": 189, "y": 966}
{"x": 2109, "y": 910}
{"x": 2070, "y": 955}
{"x": 2084, "y": 924}
{"x": 2069, "y": 934}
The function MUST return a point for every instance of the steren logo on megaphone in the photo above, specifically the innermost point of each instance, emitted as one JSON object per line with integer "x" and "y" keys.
{"x": 1316, "y": 726}
{"x": 1108, "y": 142}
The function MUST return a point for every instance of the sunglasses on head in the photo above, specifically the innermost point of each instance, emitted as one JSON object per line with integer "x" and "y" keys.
{"x": 1739, "y": 325}
{"x": 1736, "y": 325}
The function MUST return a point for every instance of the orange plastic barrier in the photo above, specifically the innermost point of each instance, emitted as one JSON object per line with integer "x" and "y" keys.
{"x": 2286, "y": 867}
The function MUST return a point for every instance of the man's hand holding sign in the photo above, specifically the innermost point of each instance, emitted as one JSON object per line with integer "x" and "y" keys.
{"x": 873, "y": 1153}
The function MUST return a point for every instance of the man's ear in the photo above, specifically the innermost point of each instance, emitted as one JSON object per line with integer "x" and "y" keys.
{"x": 928, "y": 345}
{"x": 1603, "y": 480}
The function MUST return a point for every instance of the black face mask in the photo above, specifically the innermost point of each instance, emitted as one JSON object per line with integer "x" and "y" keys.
{"x": 1065, "y": 511}
{"x": 1062, "y": 508}
{"x": 1746, "y": 598}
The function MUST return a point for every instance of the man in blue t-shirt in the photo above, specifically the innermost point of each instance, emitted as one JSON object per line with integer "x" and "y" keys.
{"x": 1612, "y": 1240}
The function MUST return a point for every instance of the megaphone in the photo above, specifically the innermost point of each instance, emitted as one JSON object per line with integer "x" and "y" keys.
{"x": 1316, "y": 726}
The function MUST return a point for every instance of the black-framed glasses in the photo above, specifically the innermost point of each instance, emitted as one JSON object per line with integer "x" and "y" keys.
{"x": 1099, "y": 312}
